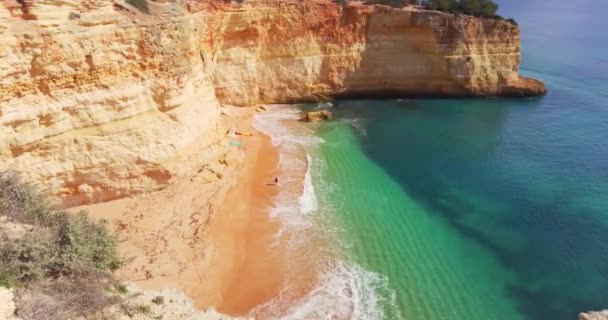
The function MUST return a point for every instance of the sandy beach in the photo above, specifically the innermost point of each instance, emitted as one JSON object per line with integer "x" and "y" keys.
{"x": 245, "y": 269}
{"x": 213, "y": 239}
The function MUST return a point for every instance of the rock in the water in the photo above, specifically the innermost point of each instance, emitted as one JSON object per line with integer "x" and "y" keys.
{"x": 315, "y": 116}
{"x": 523, "y": 87}
{"x": 594, "y": 315}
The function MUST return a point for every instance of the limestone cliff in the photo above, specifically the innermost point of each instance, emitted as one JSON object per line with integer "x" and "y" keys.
{"x": 99, "y": 102}
{"x": 100, "y": 99}
{"x": 314, "y": 50}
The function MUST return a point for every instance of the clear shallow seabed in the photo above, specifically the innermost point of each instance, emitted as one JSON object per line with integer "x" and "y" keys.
{"x": 475, "y": 208}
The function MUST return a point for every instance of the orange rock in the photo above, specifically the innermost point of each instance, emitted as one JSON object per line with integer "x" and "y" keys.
{"x": 119, "y": 102}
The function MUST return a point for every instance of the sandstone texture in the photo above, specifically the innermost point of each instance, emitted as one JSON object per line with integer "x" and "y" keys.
{"x": 100, "y": 99}
{"x": 313, "y": 50}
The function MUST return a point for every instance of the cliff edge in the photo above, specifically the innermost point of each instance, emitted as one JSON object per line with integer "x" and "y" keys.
{"x": 100, "y": 99}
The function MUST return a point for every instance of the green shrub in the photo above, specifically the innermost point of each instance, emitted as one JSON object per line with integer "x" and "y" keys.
{"x": 512, "y": 21}
{"x": 121, "y": 288}
{"x": 158, "y": 300}
{"x": 392, "y": 3}
{"x": 26, "y": 259}
{"x": 60, "y": 244}
{"x": 60, "y": 262}
{"x": 21, "y": 202}
{"x": 479, "y": 8}
{"x": 143, "y": 309}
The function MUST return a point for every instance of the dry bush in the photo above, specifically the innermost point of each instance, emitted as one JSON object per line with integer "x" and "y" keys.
{"x": 65, "y": 299}
{"x": 62, "y": 266}
{"x": 21, "y": 202}
{"x": 60, "y": 244}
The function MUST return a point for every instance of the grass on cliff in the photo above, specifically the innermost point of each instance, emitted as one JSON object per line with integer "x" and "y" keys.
{"x": 60, "y": 263}
{"x": 477, "y": 8}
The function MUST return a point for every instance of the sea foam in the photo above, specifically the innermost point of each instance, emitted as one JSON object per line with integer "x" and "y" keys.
{"x": 308, "y": 199}
{"x": 344, "y": 289}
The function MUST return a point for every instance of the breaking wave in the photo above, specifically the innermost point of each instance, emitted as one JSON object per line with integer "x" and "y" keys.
{"x": 344, "y": 289}
{"x": 308, "y": 199}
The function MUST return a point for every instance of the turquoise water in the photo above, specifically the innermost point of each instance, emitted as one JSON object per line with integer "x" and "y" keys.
{"x": 487, "y": 208}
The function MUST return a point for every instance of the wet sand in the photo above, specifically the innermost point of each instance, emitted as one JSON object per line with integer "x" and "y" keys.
{"x": 245, "y": 269}
{"x": 250, "y": 265}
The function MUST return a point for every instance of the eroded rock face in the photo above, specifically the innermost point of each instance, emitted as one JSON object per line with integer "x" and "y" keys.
{"x": 104, "y": 105}
{"x": 314, "y": 50}
{"x": 99, "y": 100}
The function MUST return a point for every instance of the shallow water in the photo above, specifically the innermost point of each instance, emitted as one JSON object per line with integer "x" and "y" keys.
{"x": 462, "y": 208}
{"x": 487, "y": 208}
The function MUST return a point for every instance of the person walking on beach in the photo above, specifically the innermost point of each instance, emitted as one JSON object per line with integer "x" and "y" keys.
{"x": 276, "y": 180}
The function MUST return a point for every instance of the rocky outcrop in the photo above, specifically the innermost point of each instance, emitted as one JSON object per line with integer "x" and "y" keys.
{"x": 316, "y": 116}
{"x": 100, "y": 99}
{"x": 594, "y": 315}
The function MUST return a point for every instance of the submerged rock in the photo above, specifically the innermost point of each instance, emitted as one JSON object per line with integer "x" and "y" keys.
{"x": 316, "y": 116}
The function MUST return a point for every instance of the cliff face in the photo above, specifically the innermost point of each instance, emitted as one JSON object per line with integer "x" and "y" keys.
{"x": 99, "y": 101}
{"x": 314, "y": 50}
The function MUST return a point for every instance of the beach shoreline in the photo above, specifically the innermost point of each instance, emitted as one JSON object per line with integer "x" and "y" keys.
{"x": 216, "y": 241}
{"x": 243, "y": 270}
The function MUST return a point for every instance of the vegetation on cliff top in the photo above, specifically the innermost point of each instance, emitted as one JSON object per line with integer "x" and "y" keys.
{"x": 478, "y": 8}
{"x": 61, "y": 263}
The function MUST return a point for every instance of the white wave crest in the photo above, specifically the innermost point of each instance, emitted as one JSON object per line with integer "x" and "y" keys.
{"x": 344, "y": 290}
{"x": 308, "y": 199}
{"x": 347, "y": 291}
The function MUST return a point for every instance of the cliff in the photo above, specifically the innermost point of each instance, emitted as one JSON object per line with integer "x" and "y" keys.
{"x": 100, "y": 99}
{"x": 314, "y": 50}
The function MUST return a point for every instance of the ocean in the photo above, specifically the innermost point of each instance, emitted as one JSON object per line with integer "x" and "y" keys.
{"x": 465, "y": 208}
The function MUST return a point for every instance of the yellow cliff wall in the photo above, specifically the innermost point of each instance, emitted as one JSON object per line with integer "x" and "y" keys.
{"x": 106, "y": 104}
{"x": 313, "y": 50}
{"x": 99, "y": 100}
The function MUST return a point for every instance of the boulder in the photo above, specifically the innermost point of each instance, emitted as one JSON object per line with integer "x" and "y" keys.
{"x": 261, "y": 108}
{"x": 316, "y": 116}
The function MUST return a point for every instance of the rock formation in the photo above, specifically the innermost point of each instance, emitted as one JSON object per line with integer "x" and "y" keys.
{"x": 100, "y": 99}
{"x": 316, "y": 116}
{"x": 314, "y": 50}
{"x": 594, "y": 315}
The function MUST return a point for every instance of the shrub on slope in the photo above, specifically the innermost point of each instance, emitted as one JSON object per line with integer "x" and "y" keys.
{"x": 61, "y": 263}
